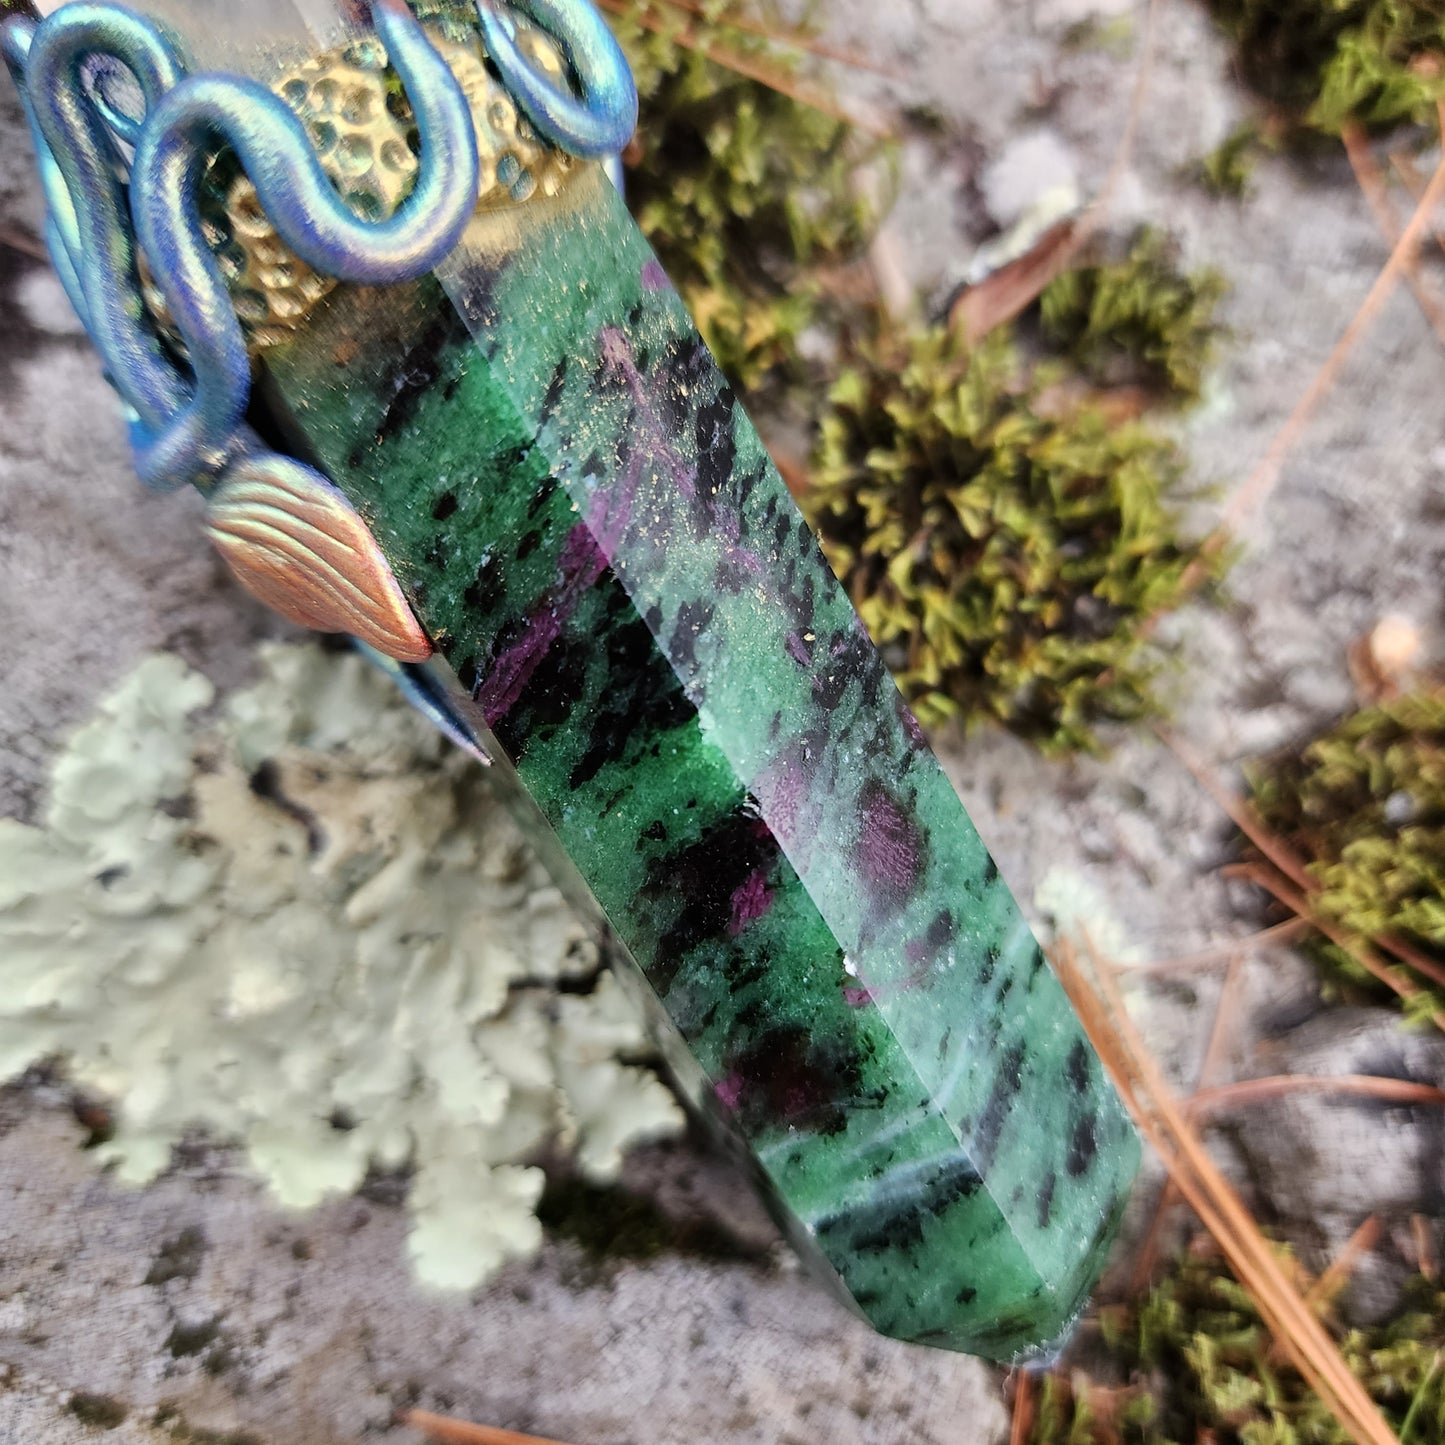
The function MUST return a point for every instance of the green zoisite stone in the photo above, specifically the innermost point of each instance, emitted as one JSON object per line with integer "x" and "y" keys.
{"x": 638, "y": 623}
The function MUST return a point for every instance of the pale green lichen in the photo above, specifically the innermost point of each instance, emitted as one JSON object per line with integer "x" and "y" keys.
{"x": 306, "y": 925}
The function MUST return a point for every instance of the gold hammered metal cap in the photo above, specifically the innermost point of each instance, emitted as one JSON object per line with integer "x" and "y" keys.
{"x": 357, "y": 117}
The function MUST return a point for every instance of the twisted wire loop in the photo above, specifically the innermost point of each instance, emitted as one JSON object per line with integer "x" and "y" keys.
{"x": 88, "y": 229}
{"x": 598, "y": 124}
{"x": 188, "y": 420}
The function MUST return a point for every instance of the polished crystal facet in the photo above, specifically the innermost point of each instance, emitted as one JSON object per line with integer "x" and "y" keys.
{"x": 636, "y": 620}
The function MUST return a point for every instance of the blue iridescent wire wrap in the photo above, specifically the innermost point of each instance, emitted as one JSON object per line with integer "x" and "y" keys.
{"x": 601, "y": 122}
{"x": 188, "y": 423}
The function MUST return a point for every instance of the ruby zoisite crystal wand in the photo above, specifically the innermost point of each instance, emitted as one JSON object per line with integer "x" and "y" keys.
{"x": 498, "y": 452}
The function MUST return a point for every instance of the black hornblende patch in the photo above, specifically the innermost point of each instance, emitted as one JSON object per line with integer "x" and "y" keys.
{"x": 716, "y": 450}
{"x": 704, "y": 876}
{"x": 748, "y": 483}
{"x": 686, "y": 368}
{"x": 692, "y": 618}
{"x": 545, "y": 489}
{"x": 555, "y": 387}
{"x": 488, "y": 588}
{"x": 849, "y": 657}
{"x": 1076, "y": 1068}
{"x": 1036, "y": 963}
{"x": 1083, "y": 1145}
{"x": 418, "y": 370}
{"x": 438, "y": 552}
{"x": 641, "y": 695}
{"x": 942, "y": 932}
{"x": 790, "y": 1076}
{"x": 557, "y": 685}
{"x": 1006, "y": 1084}
{"x": 478, "y": 305}
{"x": 882, "y": 1230}
{"x": 444, "y": 506}
{"x": 1046, "y": 1198}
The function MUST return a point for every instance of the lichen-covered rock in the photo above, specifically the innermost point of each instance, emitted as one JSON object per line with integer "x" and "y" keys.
{"x": 306, "y": 925}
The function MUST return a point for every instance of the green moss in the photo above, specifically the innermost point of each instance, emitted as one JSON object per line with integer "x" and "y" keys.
{"x": 743, "y": 191}
{"x": 1005, "y": 560}
{"x": 1227, "y": 169}
{"x": 1364, "y": 806}
{"x": 1141, "y": 321}
{"x": 1193, "y": 1362}
{"x": 1330, "y": 63}
{"x": 101, "y": 1411}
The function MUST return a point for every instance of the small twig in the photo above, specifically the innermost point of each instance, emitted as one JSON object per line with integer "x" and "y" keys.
{"x": 1357, "y": 948}
{"x": 1224, "y": 1012}
{"x": 1261, "y": 481}
{"x": 1415, "y": 184}
{"x": 1251, "y": 494}
{"x": 1408, "y": 954}
{"x": 1219, "y": 953}
{"x": 752, "y": 69}
{"x": 1022, "y": 1418}
{"x": 447, "y": 1431}
{"x": 1016, "y": 285}
{"x": 1169, "y": 1194}
{"x": 1372, "y": 183}
{"x": 1124, "y": 151}
{"x": 1329, "y": 1284}
{"x": 1219, "y": 1097}
{"x": 1321, "y": 1294}
{"x": 1239, "y": 812}
{"x": 1422, "y": 1231}
{"x": 1166, "y": 1126}
{"x": 1292, "y": 867}
{"x": 794, "y": 39}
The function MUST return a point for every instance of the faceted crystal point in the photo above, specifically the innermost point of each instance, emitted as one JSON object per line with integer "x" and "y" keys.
{"x": 715, "y": 762}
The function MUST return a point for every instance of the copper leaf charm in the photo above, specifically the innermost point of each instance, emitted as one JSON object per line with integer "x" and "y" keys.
{"x": 297, "y": 544}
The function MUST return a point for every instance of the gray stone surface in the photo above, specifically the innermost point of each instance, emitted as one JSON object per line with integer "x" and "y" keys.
{"x": 93, "y": 572}
{"x": 199, "y": 1297}
{"x": 1321, "y": 1163}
